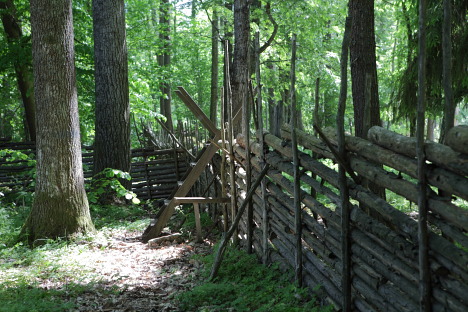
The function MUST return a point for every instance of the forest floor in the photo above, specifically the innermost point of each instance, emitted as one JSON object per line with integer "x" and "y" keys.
{"x": 135, "y": 277}
{"x": 112, "y": 271}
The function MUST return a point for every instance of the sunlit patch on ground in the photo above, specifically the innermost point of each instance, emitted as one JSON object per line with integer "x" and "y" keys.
{"x": 116, "y": 272}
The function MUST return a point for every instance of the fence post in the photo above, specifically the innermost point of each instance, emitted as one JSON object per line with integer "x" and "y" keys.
{"x": 297, "y": 184}
{"x": 265, "y": 253}
{"x": 424, "y": 273}
{"x": 344, "y": 192}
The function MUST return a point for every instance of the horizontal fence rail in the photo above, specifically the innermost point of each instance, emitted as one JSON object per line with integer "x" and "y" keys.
{"x": 155, "y": 173}
{"x": 383, "y": 233}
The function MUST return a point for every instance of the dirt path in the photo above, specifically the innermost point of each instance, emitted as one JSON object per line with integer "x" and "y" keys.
{"x": 142, "y": 278}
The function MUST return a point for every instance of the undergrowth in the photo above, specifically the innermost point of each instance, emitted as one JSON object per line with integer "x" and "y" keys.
{"x": 243, "y": 284}
{"x": 51, "y": 277}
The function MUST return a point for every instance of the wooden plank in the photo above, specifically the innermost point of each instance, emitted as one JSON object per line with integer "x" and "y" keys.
{"x": 155, "y": 230}
{"x": 201, "y": 200}
{"x": 196, "y": 110}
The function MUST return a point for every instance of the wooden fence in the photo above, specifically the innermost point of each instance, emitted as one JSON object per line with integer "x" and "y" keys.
{"x": 155, "y": 173}
{"x": 384, "y": 234}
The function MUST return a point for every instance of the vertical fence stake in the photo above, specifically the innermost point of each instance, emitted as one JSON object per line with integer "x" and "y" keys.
{"x": 344, "y": 192}
{"x": 265, "y": 253}
{"x": 297, "y": 185}
{"x": 424, "y": 277}
{"x": 232, "y": 168}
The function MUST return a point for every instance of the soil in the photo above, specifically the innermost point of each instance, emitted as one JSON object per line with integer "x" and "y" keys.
{"x": 141, "y": 278}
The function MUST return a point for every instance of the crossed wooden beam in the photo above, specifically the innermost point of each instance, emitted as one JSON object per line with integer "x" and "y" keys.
{"x": 154, "y": 230}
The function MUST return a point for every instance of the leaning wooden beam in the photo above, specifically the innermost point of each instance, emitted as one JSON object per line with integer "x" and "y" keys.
{"x": 154, "y": 230}
{"x": 174, "y": 137}
{"x": 196, "y": 110}
{"x": 235, "y": 223}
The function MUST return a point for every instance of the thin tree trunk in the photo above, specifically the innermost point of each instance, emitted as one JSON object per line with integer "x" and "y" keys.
{"x": 214, "y": 67}
{"x": 164, "y": 60}
{"x": 449, "y": 109}
{"x": 24, "y": 75}
{"x": 60, "y": 207}
{"x": 240, "y": 70}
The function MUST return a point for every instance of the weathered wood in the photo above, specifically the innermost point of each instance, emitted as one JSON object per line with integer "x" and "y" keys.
{"x": 154, "y": 230}
{"x": 450, "y": 212}
{"x": 457, "y": 139}
{"x": 200, "y": 200}
{"x": 156, "y": 242}
{"x": 196, "y": 110}
{"x": 441, "y": 178}
{"x": 438, "y": 154}
{"x": 342, "y": 169}
{"x": 235, "y": 222}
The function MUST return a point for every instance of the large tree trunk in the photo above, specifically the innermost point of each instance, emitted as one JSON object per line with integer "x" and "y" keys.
{"x": 60, "y": 207}
{"x": 240, "y": 65}
{"x": 164, "y": 61}
{"x": 363, "y": 66}
{"x": 112, "y": 138}
{"x": 24, "y": 76}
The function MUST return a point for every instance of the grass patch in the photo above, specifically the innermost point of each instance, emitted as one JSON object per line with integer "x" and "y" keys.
{"x": 53, "y": 276}
{"x": 25, "y": 297}
{"x": 245, "y": 285}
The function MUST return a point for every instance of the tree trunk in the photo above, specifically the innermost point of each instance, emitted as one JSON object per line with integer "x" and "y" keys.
{"x": 214, "y": 67}
{"x": 449, "y": 108}
{"x": 364, "y": 71}
{"x": 240, "y": 65}
{"x": 23, "y": 70}
{"x": 430, "y": 129}
{"x": 363, "y": 65}
{"x": 164, "y": 60}
{"x": 60, "y": 207}
{"x": 112, "y": 138}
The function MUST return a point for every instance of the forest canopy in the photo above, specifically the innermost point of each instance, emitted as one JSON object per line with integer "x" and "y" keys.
{"x": 186, "y": 36}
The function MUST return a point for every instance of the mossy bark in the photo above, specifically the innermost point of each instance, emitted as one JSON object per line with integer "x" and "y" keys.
{"x": 60, "y": 207}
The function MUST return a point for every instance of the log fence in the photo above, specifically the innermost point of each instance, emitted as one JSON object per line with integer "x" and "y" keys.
{"x": 383, "y": 235}
{"x": 155, "y": 173}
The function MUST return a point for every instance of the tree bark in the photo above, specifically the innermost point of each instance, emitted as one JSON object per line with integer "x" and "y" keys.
{"x": 363, "y": 65}
{"x": 23, "y": 70}
{"x": 60, "y": 207}
{"x": 214, "y": 67}
{"x": 164, "y": 61}
{"x": 112, "y": 138}
{"x": 240, "y": 65}
{"x": 449, "y": 108}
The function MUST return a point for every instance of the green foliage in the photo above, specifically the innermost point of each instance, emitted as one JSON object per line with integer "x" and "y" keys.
{"x": 24, "y": 297}
{"x": 111, "y": 215}
{"x": 245, "y": 285}
{"x": 108, "y": 179}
